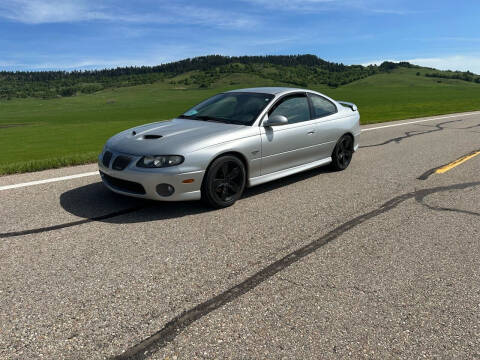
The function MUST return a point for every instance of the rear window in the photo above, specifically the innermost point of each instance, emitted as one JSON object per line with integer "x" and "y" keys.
{"x": 321, "y": 106}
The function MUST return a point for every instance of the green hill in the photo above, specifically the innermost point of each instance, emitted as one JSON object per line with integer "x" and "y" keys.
{"x": 38, "y": 131}
{"x": 202, "y": 72}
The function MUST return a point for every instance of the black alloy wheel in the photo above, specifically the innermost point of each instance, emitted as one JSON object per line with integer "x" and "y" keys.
{"x": 224, "y": 182}
{"x": 342, "y": 154}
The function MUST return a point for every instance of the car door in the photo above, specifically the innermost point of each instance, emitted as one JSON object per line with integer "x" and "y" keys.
{"x": 325, "y": 114}
{"x": 293, "y": 144}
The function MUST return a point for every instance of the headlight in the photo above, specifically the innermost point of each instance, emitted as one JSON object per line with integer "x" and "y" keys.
{"x": 159, "y": 161}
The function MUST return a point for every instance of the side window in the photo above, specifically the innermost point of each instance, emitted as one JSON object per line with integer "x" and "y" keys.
{"x": 321, "y": 106}
{"x": 294, "y": 108}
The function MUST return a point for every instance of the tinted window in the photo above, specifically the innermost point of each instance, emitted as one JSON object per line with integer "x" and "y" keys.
{"x": 294, "y": 108}
{"x": 233, "y": 107}
{"x": 321, "y": 106}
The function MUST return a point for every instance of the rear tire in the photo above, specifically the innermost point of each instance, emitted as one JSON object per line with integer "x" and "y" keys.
{"x": 342, "y": 154}
{"x": 224, "y": 182}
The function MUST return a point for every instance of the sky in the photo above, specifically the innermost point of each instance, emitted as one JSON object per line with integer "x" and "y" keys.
{"x": 87, "y": 34}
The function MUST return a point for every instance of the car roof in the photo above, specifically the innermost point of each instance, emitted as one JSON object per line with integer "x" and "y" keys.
{"x": 267, "y": 90}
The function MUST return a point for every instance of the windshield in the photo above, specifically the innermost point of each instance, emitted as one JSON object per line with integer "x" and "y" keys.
{"x": 233, "y": 107}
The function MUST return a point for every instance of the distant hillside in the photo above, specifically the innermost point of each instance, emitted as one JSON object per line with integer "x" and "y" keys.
{"x": 202, "y": 72}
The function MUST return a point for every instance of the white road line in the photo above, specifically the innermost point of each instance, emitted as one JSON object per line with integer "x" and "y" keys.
{"x": 63, "y": 178}
{"x": 31, "y": 183}
{"x": 419, "y": 121}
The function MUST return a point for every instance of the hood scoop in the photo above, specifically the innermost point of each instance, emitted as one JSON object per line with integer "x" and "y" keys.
{"x": 151, "y": 137}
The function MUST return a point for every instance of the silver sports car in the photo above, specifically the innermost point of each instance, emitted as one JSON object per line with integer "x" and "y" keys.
{"x": 230, "y": 141}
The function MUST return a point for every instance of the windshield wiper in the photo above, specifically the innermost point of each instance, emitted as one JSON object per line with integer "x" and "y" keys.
{"x": 236, "y": 122}
{"x": 212, "y": 118}
{"x": 196, "y": 117}
{"x": 205, "y": 118}
{"x": 223, "y": 120}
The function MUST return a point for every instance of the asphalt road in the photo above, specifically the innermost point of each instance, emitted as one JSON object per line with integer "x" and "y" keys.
{"x": 379, "y": 261}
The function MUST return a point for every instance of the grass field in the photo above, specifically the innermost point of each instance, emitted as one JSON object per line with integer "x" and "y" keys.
{"x": 39, "y": 134}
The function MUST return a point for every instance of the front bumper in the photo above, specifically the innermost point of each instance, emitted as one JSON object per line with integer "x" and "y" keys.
{"x": 142, "y": 183}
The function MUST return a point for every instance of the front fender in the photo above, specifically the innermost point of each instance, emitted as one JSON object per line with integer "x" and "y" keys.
{"x": 248, "y": 147}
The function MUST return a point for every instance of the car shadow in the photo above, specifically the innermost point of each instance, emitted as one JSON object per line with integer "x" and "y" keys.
{"x": 96, "y": 202}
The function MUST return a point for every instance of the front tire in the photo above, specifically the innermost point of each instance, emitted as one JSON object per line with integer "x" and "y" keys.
{"x": 224, "y": 182}
{"x": 342, "y": 154}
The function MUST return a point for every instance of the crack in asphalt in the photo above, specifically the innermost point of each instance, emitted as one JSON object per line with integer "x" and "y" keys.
{"x": 427, "y": 173}
{"x": 470, "y": 127}
{"x": 410, "y": 134}
{"x": 438, "y": 208}
{"x": 452, "y": 128}
{"x": 421, "y": 200}
{"x": 173, "y": 328}
{"x": 72, "y": 223}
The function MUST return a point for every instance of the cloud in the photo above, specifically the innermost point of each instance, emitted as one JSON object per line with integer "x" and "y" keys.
{"x": 390, "y": 11}
{"x": 295, "y": 4}
{"x": 316, "y": 6}
{"x": 44, "y": 11}
{"x": 70, "y": 11}
{"x": 452, "y": 62}
{"x": 455, "y": 62}
{"x": 208, "y": 16}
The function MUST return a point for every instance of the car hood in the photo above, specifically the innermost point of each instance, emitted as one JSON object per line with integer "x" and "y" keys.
{"x": 175, "y": 137}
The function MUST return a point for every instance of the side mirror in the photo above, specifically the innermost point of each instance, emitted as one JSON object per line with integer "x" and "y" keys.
{"x": 275, "y": 120}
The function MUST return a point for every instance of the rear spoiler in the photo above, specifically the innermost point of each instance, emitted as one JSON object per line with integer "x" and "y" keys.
{"x": 349, "y": 105}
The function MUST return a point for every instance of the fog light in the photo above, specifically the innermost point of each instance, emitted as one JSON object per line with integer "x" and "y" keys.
{"x": 165, "y": 189}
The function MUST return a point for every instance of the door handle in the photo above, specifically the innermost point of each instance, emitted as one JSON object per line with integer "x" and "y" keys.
{"x": 311, "y": 132}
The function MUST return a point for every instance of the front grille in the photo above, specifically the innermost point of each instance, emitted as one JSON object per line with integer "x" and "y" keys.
{"x": 107, "y": 156}
{"x": 123, "y": 185}
{"x": 121, "y": 162}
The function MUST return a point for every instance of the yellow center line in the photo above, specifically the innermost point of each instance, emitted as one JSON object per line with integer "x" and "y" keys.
{"x": 455, "y": 163}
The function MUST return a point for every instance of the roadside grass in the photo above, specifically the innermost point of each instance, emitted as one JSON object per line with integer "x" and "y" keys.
{"x": 52, "y": 163}
{"x": 40, "y": 134}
